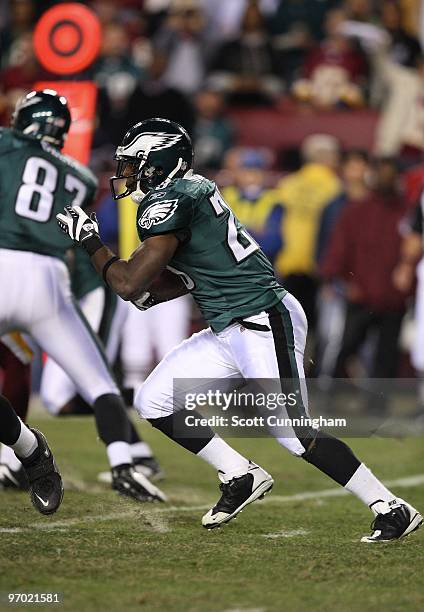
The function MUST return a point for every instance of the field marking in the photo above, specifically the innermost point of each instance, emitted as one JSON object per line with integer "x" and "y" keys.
{"x": 147, "y": 514}
{"x": 286, "y": 533}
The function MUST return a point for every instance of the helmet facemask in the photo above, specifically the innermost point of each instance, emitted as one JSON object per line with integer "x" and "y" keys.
{"x": 136, "y": 176}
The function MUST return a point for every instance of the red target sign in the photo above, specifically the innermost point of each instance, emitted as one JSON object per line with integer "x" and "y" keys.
{"x": 67, "y": 38}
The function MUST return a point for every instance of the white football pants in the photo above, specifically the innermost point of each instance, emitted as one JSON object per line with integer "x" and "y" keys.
{"x": 57, "y": 388}
{"x": 417, "y": 352}
{"x": 36, "y": 298}
{"x": 236, "y": 352}
{"x": 152, "y": 334}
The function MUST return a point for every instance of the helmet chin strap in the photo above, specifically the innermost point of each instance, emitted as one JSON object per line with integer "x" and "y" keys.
{"x": 138, "y": 195}
{"x": 172, "y": 173}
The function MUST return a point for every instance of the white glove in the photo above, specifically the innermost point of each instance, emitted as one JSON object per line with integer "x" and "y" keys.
{"x": 80, "y": 227}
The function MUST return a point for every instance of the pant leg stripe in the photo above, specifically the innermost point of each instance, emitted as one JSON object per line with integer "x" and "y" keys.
{"x": 109, "y": 310}
{"x": 282, "y": 332}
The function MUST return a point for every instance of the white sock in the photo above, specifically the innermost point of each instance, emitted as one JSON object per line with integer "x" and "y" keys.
{"x": 370, "y": 490}
{"x": 141, "y": 450}
{"x": 118, "y": 453}
{"x": 26, "y": 443}
{"x": 9, "y": 458}
{"x": 225, "y": 459}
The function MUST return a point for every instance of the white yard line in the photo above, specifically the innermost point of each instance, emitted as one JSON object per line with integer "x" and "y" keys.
{"x": 286, "y": 533}
{"x": 149, "y": 514}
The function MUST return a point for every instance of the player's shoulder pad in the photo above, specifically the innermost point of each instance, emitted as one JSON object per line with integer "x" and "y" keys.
{"x": 83, "y": 172}
{"x": 193, "y": 185}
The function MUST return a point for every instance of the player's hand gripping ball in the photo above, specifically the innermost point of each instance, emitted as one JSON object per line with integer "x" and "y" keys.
{"x": 77, "y": 224}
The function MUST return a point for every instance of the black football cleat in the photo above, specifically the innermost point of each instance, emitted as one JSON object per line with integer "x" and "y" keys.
{"x": 127, "y": 481}
{"x": 45, "y": 482}
{"x": 400, "y": 520}
{"x": 237, "y": 494}
{"x": 149, "y": 467}
{"x": 13, "y": 479}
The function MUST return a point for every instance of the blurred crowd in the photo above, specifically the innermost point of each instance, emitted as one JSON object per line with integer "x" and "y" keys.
{"x": 331, "y": 218}
{"x": 192, "y": 60}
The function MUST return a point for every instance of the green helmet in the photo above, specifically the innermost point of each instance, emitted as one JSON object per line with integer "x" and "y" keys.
{"x": 44, "y": 115}
{"x": 153, "y": 152}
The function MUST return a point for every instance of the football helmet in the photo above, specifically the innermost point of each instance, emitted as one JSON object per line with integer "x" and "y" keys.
{"x": 153, "y": 152}
{"x": 44, "y": 115}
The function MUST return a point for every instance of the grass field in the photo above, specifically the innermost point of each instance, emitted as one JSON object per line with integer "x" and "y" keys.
{"x": 284, "y": 553}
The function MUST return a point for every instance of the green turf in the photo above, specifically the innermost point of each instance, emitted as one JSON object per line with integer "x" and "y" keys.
{"x": 142, "y": 557}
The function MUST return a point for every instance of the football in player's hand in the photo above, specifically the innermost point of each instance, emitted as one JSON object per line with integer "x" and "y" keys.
{"x": 166, "y": 286}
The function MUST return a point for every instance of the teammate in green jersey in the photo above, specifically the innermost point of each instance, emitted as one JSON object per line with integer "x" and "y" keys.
{"x": 36, "y": 179}
{"x": 257, "y": 329}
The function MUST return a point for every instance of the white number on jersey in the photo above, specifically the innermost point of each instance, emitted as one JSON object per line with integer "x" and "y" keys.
{"x": 40, "y": 178}
{"x": 188, "y": 282}
{"x": 239, "y": 251}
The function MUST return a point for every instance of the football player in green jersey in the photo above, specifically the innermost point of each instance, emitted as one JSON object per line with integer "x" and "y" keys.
{"x": 35, "y": 180}
{"x": 257, "y": 330}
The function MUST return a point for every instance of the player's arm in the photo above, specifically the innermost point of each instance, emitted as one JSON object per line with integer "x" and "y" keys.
{"x": 128, "y": 278}
{"x": 131, "y": 278}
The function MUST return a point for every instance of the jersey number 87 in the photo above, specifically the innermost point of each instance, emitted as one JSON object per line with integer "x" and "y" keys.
{"x": 35, "y": 198}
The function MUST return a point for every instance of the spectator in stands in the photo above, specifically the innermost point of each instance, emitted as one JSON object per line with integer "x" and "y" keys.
{"x": 355, "y": 170}
{"x": 355, "y": 174}
{"x": 295, "y": 27}
{"x": 304, "y": 195}
{"x": 181, "y": 39}
{"x": 363, "y": 252}
{"x": 22, "y": 16}
{"x": 360, "y": 10}
{"x": 404, "y": 48}
{"x": 19, "y": 76}
{"x": 334, "y": 71}
{"x": 246, "y": 67}
{"x": 249, "y": 195}
{"x": 224, "y": 18}
{"x": 155, "y": 98}
{"x": 401, "y": 125}
{"x": 213, "y": 134}
{"x": 117, "y": 77}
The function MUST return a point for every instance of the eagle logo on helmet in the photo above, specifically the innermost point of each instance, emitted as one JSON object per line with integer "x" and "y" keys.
{"x": 156, "y": 213}
{"x": 149, "y": 141}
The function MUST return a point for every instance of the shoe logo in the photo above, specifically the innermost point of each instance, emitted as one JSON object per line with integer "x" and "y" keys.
{"x": 46, "y": 452}
{"x": 45, "y": 503}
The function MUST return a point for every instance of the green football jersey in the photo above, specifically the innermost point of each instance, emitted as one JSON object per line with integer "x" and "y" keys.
{"x": 36, "y": 182}
{"x": 224, "y": 269}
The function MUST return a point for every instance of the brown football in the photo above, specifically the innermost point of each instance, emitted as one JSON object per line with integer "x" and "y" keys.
{"x": 166, "y": 285}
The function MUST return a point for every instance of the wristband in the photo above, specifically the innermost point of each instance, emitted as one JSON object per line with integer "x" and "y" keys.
{"x": 107, "y": 266}
{"x": 92, "y": 244}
